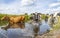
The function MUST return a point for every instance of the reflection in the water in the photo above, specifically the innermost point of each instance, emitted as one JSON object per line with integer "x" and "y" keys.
{"x": 28, "y": 31}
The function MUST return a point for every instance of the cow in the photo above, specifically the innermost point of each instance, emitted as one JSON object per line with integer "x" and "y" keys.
{"x": 52, "y": 20}
{"x": 14, "y": 22}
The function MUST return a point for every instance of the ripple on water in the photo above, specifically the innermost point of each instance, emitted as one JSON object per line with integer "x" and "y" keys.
{"x": 3, "y": 33}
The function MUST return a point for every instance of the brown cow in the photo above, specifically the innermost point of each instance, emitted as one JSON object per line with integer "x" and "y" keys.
{"x": 14, "y": 22}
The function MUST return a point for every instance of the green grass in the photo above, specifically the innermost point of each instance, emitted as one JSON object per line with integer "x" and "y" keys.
{"x": 3, "y": 23}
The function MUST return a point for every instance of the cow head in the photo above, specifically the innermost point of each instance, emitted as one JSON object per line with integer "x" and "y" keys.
{"x": 5, "y": 18}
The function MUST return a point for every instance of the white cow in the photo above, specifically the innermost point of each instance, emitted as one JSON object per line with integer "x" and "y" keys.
{"x": 52, "y": 20}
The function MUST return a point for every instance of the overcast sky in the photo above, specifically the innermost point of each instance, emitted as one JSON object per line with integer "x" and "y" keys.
{"x": 29, "y": 6}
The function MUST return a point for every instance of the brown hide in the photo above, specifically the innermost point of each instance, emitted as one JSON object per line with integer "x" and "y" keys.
{"x": 18, "y": 19}
{"x": 14, "y": 19}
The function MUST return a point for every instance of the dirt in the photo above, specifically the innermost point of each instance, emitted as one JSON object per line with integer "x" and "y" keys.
{"x": 53, "y": 34}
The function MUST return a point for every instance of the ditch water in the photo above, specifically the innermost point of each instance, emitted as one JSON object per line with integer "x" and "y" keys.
{"x": 28, "y": 31}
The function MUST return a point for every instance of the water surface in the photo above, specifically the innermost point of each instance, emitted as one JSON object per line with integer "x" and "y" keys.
{"x": 28, "y": 31}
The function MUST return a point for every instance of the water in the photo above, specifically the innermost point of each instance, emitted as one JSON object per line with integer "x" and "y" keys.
{"x": 44, "y": 27}
{"x": 28, "y": 31}
{"x": 3, "y": 33}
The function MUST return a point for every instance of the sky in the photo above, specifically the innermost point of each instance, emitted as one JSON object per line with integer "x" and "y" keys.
{"x": 29, "y": 6}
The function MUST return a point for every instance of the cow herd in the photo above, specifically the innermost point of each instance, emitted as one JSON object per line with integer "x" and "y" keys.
{"x": 35, "y": 20}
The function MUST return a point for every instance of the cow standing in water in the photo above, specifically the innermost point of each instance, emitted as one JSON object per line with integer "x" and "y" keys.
{"x": 52, "y": 20}
{"x": 36, "y": 23}
{"x": 14, "y": 22}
